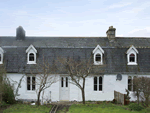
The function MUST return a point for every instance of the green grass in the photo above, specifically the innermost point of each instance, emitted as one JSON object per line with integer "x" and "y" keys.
{"x": 23, "y": 108}
{"x": 101, "y": 108}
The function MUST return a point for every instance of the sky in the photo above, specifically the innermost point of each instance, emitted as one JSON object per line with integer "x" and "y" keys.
{"x": 131, "y": 18}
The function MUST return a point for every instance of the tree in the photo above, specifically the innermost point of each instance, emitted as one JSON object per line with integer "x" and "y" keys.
{"x": 142, "y": 88}
{"x": 78, "y": 70}
{"x": 44, "y": 77}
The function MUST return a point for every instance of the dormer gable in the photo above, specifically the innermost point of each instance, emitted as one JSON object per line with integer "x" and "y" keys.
{"x": 132, "y": 48}
{"x": 31, "y": 47}
{"x": 31, "y": 54}
{"x": 98, "y": 48}
{"x": 132, "y": 55}
{"x": 1, "y": 55}
{"x": 98, "y": 55}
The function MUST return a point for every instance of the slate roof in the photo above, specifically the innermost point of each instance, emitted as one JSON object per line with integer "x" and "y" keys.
{"x": 114, "y": 52}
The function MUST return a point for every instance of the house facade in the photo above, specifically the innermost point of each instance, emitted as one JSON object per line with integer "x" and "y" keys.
{"x": 123, "y": 57}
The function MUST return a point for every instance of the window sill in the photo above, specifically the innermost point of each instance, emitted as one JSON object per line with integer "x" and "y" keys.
{"x": 98, "y": 63}
{"x": 30, "y": 91}
{"x": 31, "y": 63}
{"x": 132, "y": 63}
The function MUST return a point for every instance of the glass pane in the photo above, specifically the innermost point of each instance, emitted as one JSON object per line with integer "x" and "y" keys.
{"x": 98, "y": 57}
{"x": 31, "y": 57}
{"x": 95, "y": 80}
{"x": 132, "y": 58}
{"x": 28, "y": 83}
{"x": 129, "y": 87}
{"x": 100, "y": 87}
{"x": 66, "y": 81}
{"x": 33, "y": 83}
{"x": 62, "y": 79}
{"x": 100, "y": 80}
{"x": 95, "y": 87}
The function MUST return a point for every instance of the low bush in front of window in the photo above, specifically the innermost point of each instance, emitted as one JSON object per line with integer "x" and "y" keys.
{"x": 135, "y": 107}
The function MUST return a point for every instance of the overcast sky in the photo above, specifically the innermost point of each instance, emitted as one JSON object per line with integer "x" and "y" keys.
{"x": 131, "y": 18}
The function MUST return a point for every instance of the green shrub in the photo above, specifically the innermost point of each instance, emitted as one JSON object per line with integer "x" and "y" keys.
{"x": 8, "y": 94}
{"x": 135, "y": 107}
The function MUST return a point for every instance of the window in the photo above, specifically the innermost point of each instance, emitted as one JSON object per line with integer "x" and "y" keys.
{"x": 31, "y": 83}
{"x": 98, "y": 83}
{"x": 132, "y": 56}
{"x": 66, "y": 81}
{"x": 62, "y": 81}
{"x": 95, "y": 83}
{"x": 98, "y": 55}
{"x": 31, "y": 57}
{"x": 131, "y": 85}
{"x": 1, "y": 55}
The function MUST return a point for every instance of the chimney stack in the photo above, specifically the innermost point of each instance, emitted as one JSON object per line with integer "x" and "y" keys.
{"x": 20, "y": 33}
{"x": 111, "y": 33}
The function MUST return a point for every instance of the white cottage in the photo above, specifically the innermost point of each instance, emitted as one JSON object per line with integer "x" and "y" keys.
{"x": 123, "y": 56}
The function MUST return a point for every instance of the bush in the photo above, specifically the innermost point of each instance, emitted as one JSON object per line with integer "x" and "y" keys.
{"x": 8, "y": 94}
{"x": 3, "y": 103}
{"x": 135, "y": 107}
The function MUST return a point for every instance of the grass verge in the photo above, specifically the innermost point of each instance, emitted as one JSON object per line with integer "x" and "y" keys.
{"x": 102, "y": 108}
{"x": 23, "y": 108}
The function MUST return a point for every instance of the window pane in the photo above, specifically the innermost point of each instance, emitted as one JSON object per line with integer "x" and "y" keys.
{"x": 95, "y": 80}
{"x": 100, "y": 87}
{"x": 66, "y": 81}
{"x": 129, "y": 83}
{"x": 62, "y": 79}
{"x": 28, "y": 83}
{"x": 0, "y": 57}
{"x": 98, "y": 57}
{"x": 132, "y": 58}
{"x": 31, "y": 57}
{"x": 100, "y": 80}
{"x": 33, "y": 83}
{"x": 95, "y": 87}
{"x": 129, "y": 87}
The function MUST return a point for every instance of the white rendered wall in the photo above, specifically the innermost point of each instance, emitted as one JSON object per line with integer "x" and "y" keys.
{"x": 109, "y": 85}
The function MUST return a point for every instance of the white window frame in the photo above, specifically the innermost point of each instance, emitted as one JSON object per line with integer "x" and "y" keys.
{"x": 29, "y": 50}
{"x": 2, "y": 55}
{"x": 98, "y": 83}
{"x": 98, "y": 50}
{"x": 132, "y": 50}
{"x": 30, "y": 84}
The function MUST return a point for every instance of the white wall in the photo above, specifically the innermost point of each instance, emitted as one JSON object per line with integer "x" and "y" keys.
{"x": 109, "y": 85}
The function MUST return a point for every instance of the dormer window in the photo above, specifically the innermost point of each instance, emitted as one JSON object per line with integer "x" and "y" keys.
{"x": 1, "y": 55}
{"x": 98, "y": 55}
{"x": 132, "y": 56}
{"x": 31, "y": 55}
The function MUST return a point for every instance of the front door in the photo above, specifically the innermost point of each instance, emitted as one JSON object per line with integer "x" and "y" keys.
{"x": 64, "y": 88}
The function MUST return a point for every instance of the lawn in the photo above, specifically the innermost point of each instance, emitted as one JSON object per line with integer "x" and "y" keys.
{"x": 102, "y": 108}
{"x": 24, "y": 108}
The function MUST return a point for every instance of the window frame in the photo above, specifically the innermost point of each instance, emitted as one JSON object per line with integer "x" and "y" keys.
{"x": 98, "y": 84}
{"x": 31, "y": 83}
{"x": 132, "y": 85}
